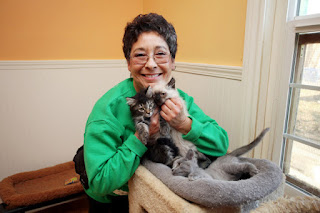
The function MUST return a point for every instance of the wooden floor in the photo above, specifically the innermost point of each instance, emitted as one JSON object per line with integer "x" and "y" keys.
{"x": 77, "y": 206}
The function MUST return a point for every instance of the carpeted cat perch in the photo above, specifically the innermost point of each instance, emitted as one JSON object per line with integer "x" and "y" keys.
{"x": 34, "y": 187}
{"x": 153, "y": 188}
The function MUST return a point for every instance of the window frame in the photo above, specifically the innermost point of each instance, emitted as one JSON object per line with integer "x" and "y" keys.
{"x": 269, "y": 48}
{"x": 295, "y": 25}
{"x": 292, "y": 106}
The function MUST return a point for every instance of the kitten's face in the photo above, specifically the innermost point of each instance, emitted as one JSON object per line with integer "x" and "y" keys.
{"x": 184, "y": 166}
{"x": 162, "y": 92}
{"x": 146, "y": 109}
{"x": 181, "y": 167}
{"x": 160, "y": 96}
{"x": 142, "y": 104}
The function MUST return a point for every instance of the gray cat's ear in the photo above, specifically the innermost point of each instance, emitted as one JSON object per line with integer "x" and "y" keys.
{"x": 190, "y": 154}
{"x": 131, "y": 101}
{"x": 149, "y": 92}
{"x": 172, "y": 83}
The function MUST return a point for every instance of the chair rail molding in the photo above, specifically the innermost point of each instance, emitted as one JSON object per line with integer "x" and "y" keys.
{"x": 61, "y": 64}
{"x": 218, "y": 71}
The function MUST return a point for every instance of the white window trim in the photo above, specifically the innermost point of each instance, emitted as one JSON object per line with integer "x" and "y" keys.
{"x": 305, "y": 21}
{"x": 268, "y": 55}
{"x": 264, "y": 70}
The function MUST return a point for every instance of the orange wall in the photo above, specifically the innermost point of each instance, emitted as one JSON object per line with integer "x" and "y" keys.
{"x": 64, "y": 29}
{"x": 209, "y": 31}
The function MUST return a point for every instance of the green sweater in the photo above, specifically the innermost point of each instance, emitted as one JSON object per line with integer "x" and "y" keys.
{"x": 111, "y": 151}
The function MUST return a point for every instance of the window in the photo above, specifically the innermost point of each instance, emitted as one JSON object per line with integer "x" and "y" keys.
{"x": 309, "y": 7}
{"x": 302, "y": 134}
{"x": 301, "y": 138}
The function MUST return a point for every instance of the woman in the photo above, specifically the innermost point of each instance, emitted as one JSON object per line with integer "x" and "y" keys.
{"x": 112, "y": 146}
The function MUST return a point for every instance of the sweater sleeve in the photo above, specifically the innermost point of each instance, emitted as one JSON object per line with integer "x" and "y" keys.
{"x": 110, "y": 161}
{"x": 205, "y": 133}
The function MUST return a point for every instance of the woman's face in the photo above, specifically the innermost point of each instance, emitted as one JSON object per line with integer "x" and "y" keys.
{"x": 152, "y": 45}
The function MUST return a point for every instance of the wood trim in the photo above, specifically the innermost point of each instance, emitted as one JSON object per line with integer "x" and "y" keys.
{"x": 218, "y": 71}
{"x": 309, "y": 38}
{"x": 265, "y": 75}
{"x": 252, "y": 57}
{"x": 61, "y": 64}
{"x": 303, "y": 21}
{"x": 309, "y": 189}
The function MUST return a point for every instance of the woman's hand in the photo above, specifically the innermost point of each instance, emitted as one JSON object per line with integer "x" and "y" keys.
{"x": 172, "y": 112}
{"x": 154, "y": 126}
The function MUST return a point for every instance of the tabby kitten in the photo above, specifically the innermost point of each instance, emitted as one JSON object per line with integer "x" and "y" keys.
{"x": 161, "y": 149}
{"x": 142, "y": 107}
{"x": 229, "y": 167}
{"x": 163, "y": 92}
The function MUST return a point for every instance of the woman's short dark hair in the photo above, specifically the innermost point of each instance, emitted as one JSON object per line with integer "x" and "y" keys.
{"x": 151, "y": 22}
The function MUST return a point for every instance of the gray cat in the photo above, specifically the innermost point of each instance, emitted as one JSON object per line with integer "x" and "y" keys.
{"x": 163, "y": 92}
{"x": 161, "y": 149}
{"x": 228, "y": 167}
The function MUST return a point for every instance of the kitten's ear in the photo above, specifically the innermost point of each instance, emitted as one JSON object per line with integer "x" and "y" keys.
{"x": 149, "y": 92}
{"x": 190, "y": 154}
{"x": 172, "y": 83}
{"x": 131, "y": 101}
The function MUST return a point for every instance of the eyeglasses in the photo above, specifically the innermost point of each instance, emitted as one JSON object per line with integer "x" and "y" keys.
{"x": 159, "y": 58}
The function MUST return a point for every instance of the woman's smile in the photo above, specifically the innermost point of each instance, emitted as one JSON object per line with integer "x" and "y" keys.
{"x": 151, "y": 76}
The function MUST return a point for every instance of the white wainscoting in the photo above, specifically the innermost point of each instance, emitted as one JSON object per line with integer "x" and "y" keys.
{"x": 218, "y": 90}
{"x": 45, "y": 104}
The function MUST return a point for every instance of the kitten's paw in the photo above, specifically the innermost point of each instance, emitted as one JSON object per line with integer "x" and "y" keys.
{"x": 144, "y": 137}
{"x": 253, "y": 171}
{"x": 194, "y": 176}
{"x": 144, "y": 141}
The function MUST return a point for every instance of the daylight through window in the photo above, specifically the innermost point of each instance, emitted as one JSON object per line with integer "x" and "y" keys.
{"x": 301, "y": 162}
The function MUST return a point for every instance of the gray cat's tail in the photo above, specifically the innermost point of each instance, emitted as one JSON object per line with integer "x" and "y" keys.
{"x": 244, "y": 149}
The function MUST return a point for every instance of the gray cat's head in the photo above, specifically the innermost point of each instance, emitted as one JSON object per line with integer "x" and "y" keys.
{"x": 163, "y": 91}
{"x": 185, "y": 165}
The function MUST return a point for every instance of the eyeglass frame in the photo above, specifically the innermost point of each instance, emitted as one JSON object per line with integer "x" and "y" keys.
{"x": 154, "y": 56}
